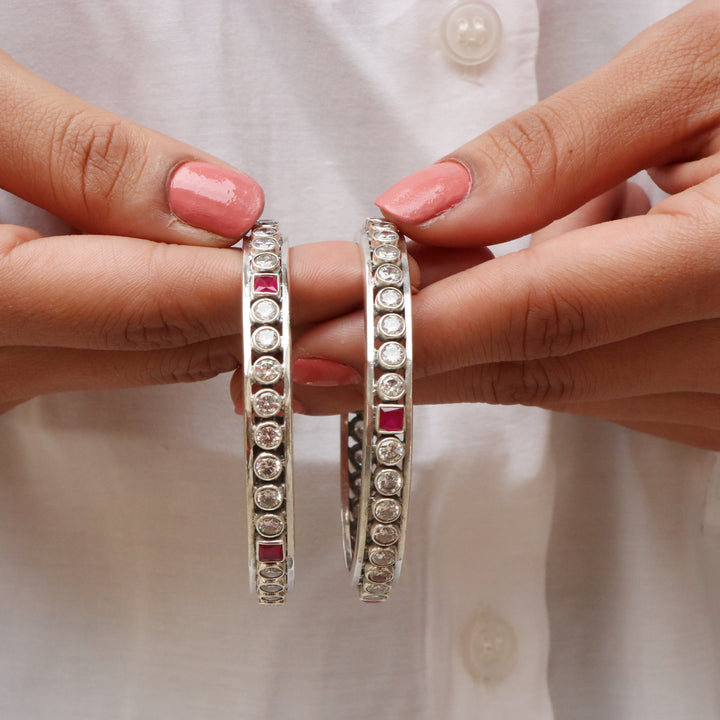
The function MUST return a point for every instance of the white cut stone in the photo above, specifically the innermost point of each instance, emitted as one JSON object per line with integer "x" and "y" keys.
{"x": 386, "y": 253}
{"x": 382, "y": 557}
{"x": 391, "y": 325}
{"x": 268, "y": 436}
{"x": 266, "y": 403}
{"x": 268, "y": 466}
{"x": 377, "y": 574}
{"x": 384, "y": 235}
{"x": 267, "y": 370}
{"x": 269, "y": 497}
{"x": 388, "y": 274}
{"x": 265, "y": 261}
{"x": 265, "y": 339}
{"x": 388, "y": 481}
{"x": 264, "y": 311}
{"x": 391, "y": 355}
{"x": 272, "y": 588}
{"x": 391, "y": 386}
{"x": 376, "y": 588}
{"x": 271, "y": 572}
{"x": 384, "y": 534}
{"x": 386, "y": 510}
{"x": 389, "y": 298}
{"x": 390, "y": 451}
{"x": 269, "y": 526}
{"x": 265, "y": 242}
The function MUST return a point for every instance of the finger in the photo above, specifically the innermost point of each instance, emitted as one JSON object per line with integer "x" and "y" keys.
{"x": 104, "y": 174}
{"x": 436, "y": 264}
{"x": 673, "y": 359}
{"x": 693, "y": 408}
{"x": 27, "y": 372}
{"x": 625, "y": 200}
{"x": 549, "y": 160}
{"x": 704, "y": 438}
{"x": 95, "y": 292}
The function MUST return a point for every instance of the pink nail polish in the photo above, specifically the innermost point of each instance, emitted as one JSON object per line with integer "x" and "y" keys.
{"x": 323, "y": 373}
{"x": 215, "y": 198}
{"x": 426, "y": 193}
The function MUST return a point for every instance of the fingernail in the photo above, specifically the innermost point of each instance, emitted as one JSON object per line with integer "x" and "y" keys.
{"x": 426, "y": 193}
{"x": 323, "y": 373}
{"x": 215, "y": 198}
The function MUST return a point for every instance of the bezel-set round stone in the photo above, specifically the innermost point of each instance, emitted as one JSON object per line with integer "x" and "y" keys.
{"x": 378, "y": 574}
{"x": 270, "y": 525}
{"x": 266, "y": 403}
{"x": 384, "y": 534}
{"x": 267, "y": 370}
{"x": 376, "y": 588}
{"x": 265, "y": 262}
{"x": 389, "y": 299}
{"x": 388, "y": 274}
{"x": 382, "y": 556}
{"x": 391, "y": 386}
{"x": 271, "y": 572}
{"x": 390, "y": 451}
{"x": 383, "y": 234}
{"x": 267, "y": 466}
{"x": 265, "y": 241}
{"x": 386, "y": 254}
{"x": 264, "y": 311}
{"x": 269, "y": 497}
{"x": 268, "y": 435}
{"x": 390, "y": 326}
{"x": 391, "y": 355}
{"x": 265, "y": 339}
{"x": 386, "y": 510}
{"x": 388, "y": 481}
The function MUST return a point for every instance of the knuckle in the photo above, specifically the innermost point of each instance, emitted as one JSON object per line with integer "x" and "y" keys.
{"x": 535, "y": 382}
{"x": 551, "y": 324}
{"x": 532, "y": 147}
{"x": 198, "y": 362}
{"x": 92, "y": 158}
{"x": 151, "y": 317}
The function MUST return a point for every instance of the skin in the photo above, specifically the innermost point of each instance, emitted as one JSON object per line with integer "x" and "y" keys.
{"x": 614, "y": 311}
{"x": 137, "y": 297}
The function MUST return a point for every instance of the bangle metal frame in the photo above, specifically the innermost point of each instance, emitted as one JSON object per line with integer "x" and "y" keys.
{"x": 268, "y": 413}
{"x": 376, "y": 444}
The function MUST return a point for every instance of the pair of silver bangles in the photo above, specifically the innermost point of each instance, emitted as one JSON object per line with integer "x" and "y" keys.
{"x": 376, "y": 441}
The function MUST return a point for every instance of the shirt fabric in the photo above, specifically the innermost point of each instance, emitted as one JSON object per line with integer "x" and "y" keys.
{"x": 556, "y": 567}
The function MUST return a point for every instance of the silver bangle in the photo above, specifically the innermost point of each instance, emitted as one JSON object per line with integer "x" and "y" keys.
{"x": 376, "y": 444}
{"x": 268, "y": 413}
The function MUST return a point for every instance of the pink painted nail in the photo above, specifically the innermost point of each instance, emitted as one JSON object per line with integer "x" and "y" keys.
{"x": 323, "y": 373}
{"x": 215, "y": 198}
{"x": 426, "y": 193}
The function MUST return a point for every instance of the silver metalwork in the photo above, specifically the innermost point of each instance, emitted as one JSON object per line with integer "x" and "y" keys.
{"x": 268, "y": 413}
{"x": 376, "y": 443}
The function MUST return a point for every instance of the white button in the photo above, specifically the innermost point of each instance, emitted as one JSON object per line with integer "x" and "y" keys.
{"x": 490, "y": 648}
{"x": 471, "y": 33}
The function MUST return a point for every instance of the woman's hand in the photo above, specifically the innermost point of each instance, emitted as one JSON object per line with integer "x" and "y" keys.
{"x": 614, "y": 312}
{"x": 111, "y": 310}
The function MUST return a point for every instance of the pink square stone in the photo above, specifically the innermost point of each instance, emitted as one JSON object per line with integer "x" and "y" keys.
{"x": 271, "y": 552}
{"x": 391, "y": 418}
{"x": 266, "y": 284}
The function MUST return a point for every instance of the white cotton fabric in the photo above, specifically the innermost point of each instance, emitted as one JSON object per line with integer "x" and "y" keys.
{"x": 123, "y": 586}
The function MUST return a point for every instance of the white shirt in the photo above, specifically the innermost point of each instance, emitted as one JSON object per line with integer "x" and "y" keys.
{"x": 123, "y": 591}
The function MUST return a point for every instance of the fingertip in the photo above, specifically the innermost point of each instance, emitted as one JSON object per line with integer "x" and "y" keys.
{"x": 426, "y": 193}
{"x": 215, "y": 199}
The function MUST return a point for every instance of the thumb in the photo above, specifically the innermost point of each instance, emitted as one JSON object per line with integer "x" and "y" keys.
{"x": 655, "y": 103}
{"x": 105, "y": 174}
